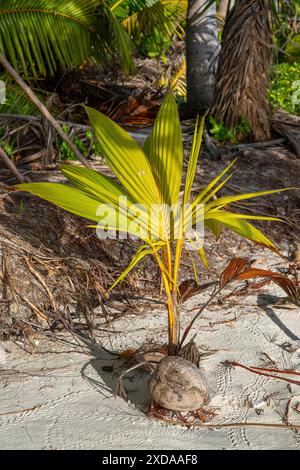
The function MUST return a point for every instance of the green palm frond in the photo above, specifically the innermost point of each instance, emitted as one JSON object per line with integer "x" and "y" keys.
{"x": 164, "y": 14}
{"x": 112, "y": 38}
{"x": 141, "y": 18}
{"x": 38, "y": 35}
{"x": 150, "y": 177}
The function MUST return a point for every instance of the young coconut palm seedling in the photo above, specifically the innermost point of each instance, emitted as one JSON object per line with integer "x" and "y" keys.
{"x": 147, "y": 203}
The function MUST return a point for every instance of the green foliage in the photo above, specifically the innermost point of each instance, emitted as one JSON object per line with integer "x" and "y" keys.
{"x": 38, "y": 36}
{"x": 283, "y": 77}
{"x": 7, "y": 144}
{"x": 292, "y": 49}
{"x": 94, "y": 147}
{"x": 152, "y": 24}
{"x": 155, "y": 45}
{"x": 286, "y": 38}
{"x": 224, "y": 134}
{"x": 87, "y": 147}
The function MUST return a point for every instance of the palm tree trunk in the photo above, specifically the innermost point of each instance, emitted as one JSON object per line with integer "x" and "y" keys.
{"x": 201, "y": 53}
{"x": 243, "y": 71}
{"x": 222, "y": 10}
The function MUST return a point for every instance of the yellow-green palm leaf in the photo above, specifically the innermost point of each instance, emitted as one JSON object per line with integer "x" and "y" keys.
{"x": 164, "y": 149}
{"x": 126, "y": 159}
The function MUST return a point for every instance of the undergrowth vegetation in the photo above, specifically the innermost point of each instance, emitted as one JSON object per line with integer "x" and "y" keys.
{"x": 284, "y": 87}
{"x": 224, "y": 134}
{"x": 87, "y": 145}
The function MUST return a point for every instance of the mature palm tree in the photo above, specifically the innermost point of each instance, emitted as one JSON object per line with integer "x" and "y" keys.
{"x": 244, "y": 64}
{"x": 247, "y": 47}
{"x": 201, "y": 52}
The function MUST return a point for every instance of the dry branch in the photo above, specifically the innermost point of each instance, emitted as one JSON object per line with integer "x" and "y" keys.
{"x": 11, "y": 166}
{"x": 43, "y": 109}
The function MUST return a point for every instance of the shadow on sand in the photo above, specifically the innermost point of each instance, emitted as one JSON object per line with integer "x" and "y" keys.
{"x": 103, "y": 371}
{"x": 264, "y": 301}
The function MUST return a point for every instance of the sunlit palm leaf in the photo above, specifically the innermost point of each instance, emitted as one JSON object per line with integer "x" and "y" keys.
{"x": 127, "y": 160}
{"x": 210, "y": 186}
{"x": 38, "y": 36}
{"x": 105, "y": 190}
{"x": 215, "y": 227}
{"x": 142, "y": 251}
{"x": 194, "y": 155}
{"x": 241, "y": 227}
{"x": 224, "y": 201}
{"x": 70, "y": 199}
{"x": 165, "y": 151}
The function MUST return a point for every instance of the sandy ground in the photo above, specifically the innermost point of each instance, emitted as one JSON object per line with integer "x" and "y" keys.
{"x": 61, "y": 398}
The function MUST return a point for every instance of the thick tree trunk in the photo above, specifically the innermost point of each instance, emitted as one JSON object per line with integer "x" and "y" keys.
{"x": 201, "y": 53}
{"x": 243, "y": 71}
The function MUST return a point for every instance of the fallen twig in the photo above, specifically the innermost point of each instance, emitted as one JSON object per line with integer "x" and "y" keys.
{"x": 11, "y": 166}
{"x": 5, "y": 277}
{"x": 254, "y": 145}
{"x": 262, "y": 371}
{"x": 42, "y": 282}
{"x": 230, "y": 425}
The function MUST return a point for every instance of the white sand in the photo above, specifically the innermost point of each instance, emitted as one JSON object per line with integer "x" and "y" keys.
{"x": 64, "y": 400}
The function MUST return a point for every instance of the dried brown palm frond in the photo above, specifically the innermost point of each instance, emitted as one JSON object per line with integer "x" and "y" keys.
{"x": 245, "y": 59}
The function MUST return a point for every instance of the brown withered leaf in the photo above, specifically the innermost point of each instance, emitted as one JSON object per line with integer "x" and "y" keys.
{"x": 235, "y": 267}
{"x": 185, "y": 289}
{"x": 287, "y": 285}
{"x": 189, "y": 288}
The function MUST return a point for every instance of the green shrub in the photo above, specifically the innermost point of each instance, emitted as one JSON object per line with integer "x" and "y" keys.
{"x": 224, "y": 134}
{"x": 283, "y": 77}
{"x": 86, "y": 146}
